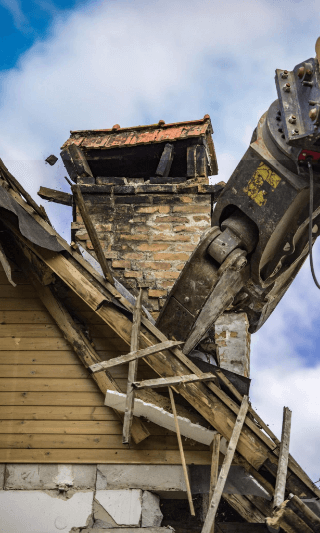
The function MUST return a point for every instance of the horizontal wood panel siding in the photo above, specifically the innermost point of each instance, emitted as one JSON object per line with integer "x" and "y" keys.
{"x": 51, "y": 409}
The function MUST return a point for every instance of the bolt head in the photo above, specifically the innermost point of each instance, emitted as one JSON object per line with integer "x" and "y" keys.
{"x": 313, "y": 113}
{"x": 301, "y": 72}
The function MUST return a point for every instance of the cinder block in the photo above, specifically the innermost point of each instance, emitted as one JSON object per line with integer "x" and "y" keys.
{"x": 151, "y": 515}
{"x": 145, "y": 477}
{"x": 46, "y": 477}
{"x": 124, "y": 506}
{"x": 41, "y": 512}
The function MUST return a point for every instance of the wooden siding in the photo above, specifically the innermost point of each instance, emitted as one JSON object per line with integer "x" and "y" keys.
{"x": 51, "y": 410}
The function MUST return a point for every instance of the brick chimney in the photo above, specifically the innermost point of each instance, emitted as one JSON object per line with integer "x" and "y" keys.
{"x": 148, "y": 195}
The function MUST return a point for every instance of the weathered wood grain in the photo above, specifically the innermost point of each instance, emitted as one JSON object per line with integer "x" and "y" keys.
{"x": 94, "y": 456}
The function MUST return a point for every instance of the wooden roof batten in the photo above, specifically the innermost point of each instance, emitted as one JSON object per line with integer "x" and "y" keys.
{"x": 256, "y": 448}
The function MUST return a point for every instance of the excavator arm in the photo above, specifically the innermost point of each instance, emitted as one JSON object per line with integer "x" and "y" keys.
{"x": 261, "y": 231}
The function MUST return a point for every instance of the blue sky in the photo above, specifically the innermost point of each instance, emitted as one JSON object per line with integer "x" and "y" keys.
{"x": 70, "y": 65}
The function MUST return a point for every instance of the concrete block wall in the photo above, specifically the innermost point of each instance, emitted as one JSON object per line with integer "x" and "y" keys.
{"x": 42, "y": 498}
{"x": 148, "y": 231}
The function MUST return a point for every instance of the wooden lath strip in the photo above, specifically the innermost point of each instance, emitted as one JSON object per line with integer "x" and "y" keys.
{"x": 133, "y": 369}
{"x": 208, "y": 526}
{"x": 183, "y": 460}
{"x": 280, "y": 488}
{"x": 175, "y": 380}
{"x": 92, "y": 233}
{"x": 133, "y": 356}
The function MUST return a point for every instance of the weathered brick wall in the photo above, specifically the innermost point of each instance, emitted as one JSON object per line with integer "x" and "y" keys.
{"x": 147, "y": 231}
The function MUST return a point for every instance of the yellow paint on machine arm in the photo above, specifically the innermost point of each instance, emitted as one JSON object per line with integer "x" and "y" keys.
{"x": 255, "y": 189}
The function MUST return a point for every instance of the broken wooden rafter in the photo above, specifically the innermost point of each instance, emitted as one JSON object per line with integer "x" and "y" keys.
{"x": 39, "y": 209}
{"x": 285, "y": 517}
{"x": 239, "y": 397}
{"x": 214, "y": 464}
{"x": 6, "y": 266}
{"x": 165, "y": 162}
{"x": 133, "y": 369}
{"x": 133, "y": 356}
{"x": 80, "y": 162}
{"x": 174, "y": 380}
{"x": 283, "y": 458}
{"x": 183, "y": 460}
{"x": 52, "y": 195}
{"x": 216, "y": 497}
{"x": 92, "y": 233}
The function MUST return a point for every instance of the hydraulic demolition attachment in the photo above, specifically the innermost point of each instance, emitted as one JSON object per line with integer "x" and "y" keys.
{"x": 262, "y": 228}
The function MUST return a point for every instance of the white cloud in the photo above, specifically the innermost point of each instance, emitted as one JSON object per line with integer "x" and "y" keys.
{"x": 136, "y": 62}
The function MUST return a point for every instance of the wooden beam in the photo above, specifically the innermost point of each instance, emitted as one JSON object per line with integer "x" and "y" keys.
{"x": 213, "y": 507}
{"x": 165, "y": 162}
{"x": 283, "y": 459}
{"x": 214, "y": 464}
{"x": 18, "y": 187}
{"x": 133, "y": 369}
{"x": 81, "y": 345}
{"x": 92, "y": 233}
{"x": 175, "y": 380}
{"x": 183, "y": 460}
{"x": 132, "y": 356}
{"x": 6, "y": 266}
{"x": 80, "y": 163}
{"x": 52, "y": 195}
{"x": 306, "y": 511}
{"x": 239, "y": 397}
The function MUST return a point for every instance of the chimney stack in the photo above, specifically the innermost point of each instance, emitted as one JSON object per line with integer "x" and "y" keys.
{"x": 147, "y": 192}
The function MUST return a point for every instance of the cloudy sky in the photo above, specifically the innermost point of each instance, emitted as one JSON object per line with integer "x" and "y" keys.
{"x": 68, "y": 64}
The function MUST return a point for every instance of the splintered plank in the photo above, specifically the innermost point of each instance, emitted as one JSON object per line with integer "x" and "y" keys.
{"x": 182, "y": 455}
{"x": 6, "y": 267}
{"x": 53, "y": 195}
{"x": 92, "y": 233}
{"x": 103, "y": 456}
{"x": 281, "y": 479}
{"x": 178, "y": 380}
{"x": 133, "y": 369}
{"x": 131, "y": 356}
{"x": 208, "y": 526}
